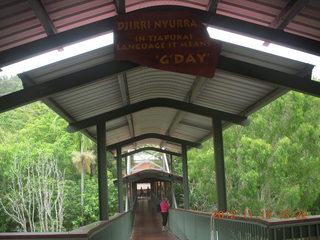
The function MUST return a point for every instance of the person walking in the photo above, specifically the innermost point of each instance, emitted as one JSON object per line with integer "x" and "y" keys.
{"x": 164, "y": 208}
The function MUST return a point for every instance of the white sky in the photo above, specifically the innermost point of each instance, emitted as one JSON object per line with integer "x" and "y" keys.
{"x": 107, "y": 39}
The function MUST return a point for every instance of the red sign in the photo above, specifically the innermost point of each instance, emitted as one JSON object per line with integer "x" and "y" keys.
{"x": 173, "y": 41}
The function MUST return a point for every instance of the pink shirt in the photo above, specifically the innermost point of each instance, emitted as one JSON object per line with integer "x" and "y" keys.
{"x": 164, "y": 206}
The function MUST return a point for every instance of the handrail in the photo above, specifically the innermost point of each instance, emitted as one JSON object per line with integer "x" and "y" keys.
{"x": 82, "y": 232}
{"x": 269, "y": 222}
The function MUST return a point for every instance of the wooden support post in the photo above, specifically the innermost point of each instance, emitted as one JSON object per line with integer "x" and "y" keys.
{"x": 171, "y": 163}
{"x": 119, "y": 175}
{"x": 102, "y": 171}
{"x": 185, "y": 176}
{"x": 219, "y": 164}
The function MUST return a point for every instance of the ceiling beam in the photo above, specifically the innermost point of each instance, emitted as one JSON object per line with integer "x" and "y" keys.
{"x": 213, "y": 4}
{"x": 196, "y": 125}
{"x": 124, "y": 90}
{"x": 157, "y": 102}
{"x": 150, "y": 149}
{"x": 46, "y": 89}
{"x": 281, "y": 79}
{"x": 43, "y": 16}
{"x": 190, "y": 97}
{"x": 120, "y": 6}
{"x": 103, "y": 26}
{"x": 152, "y": 135}
{"x": 288, "y": 13}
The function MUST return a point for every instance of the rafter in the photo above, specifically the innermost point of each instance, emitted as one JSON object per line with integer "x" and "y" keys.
{"x": 153, "y": 135}
{"x": 46, "y": 89}
{"x": 43, "y": 16}
{"x": 157, "y": 102}
{"x": 213, "y": 6}
{"x": 190, "y": 97}
{"x": 150, "y": 149}
{"x": 288, "y": 13}
{"x": 120, "y": 6}
{"x": 123, "y": 85}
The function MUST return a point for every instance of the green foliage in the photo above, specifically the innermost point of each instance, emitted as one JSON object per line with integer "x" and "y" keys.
{"x": 34, "y": 129}
{"x": 272, "y": 164}
{"x": 9, "y": 85}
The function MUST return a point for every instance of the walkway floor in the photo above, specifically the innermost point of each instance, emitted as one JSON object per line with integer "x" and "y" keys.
{"x": 147, "y": 223}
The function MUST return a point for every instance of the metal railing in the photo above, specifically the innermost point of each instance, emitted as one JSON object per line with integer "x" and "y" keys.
{"x": 189, "y": 225}
{"x": 273, "y": 229}
{"x": 117, "y": 228}
{"x": 192, "y": 225}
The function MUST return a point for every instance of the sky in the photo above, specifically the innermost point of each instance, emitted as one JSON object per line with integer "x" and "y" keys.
{"x": 107, "y": 39}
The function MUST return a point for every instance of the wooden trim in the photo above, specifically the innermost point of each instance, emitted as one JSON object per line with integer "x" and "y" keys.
{"x": 83, "y": 232}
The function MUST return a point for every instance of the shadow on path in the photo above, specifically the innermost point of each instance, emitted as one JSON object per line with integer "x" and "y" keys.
{"x": 147, "y": 223}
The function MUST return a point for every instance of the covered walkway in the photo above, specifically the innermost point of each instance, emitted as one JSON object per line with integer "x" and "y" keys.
{"x": 147, "y": 223}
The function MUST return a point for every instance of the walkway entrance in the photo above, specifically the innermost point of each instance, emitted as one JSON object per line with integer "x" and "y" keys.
{"x": 147, "y": 223}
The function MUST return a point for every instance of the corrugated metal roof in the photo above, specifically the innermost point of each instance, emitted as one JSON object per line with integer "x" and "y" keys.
{"x": 19, "y": 23}
{"x": 71, "y": 14}
{"x": 226, "y": 91}
{"x": 240, "y": 93}
{"x": 156, "y": 83}
{"x": 153, "y": 120}
{"x": 261, "y": 12}
{"x": 132, "y": 5}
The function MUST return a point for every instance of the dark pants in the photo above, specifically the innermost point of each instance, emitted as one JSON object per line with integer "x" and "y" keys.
{"x": 164, "y": 218}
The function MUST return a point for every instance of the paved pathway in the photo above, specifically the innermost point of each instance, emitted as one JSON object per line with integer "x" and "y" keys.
{"x": 147, "y": 223}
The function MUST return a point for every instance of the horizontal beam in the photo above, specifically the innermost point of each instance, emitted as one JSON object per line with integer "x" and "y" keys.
{"x": 300, "y": 84}
{"x": 152, "y": 135}
{"x": 46, "y": 89}
{"x": 103, "y": 26}
{"x": 150, "y": 149}
{"x": 157, "y": 102}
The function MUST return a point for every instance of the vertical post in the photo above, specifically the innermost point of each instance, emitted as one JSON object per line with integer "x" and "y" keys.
{"x": 102, "y": 171}
{"x": 119, "y": 175}
{"x": 171, "y": 164}
{"x": 131, "y": 200}
{"x": 128, "y": 159}
{"x": 174, "y": 202}
{"x": 219, "y": 164}
{"x": 127, "y": 198}
{"x": 185, "y": 177}
{"x": 166, "y": 163}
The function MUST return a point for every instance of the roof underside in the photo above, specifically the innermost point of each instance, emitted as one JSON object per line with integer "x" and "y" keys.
{"x": 31, "y": 27}
{"x": 227, "y": 92}
{"x": 151, "y": 175}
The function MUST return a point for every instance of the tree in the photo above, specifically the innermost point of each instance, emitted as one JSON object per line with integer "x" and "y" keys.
{"x": 272, "y": 164}
{"x": 83, "y": 161}
{"x": 36, "y": 195}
